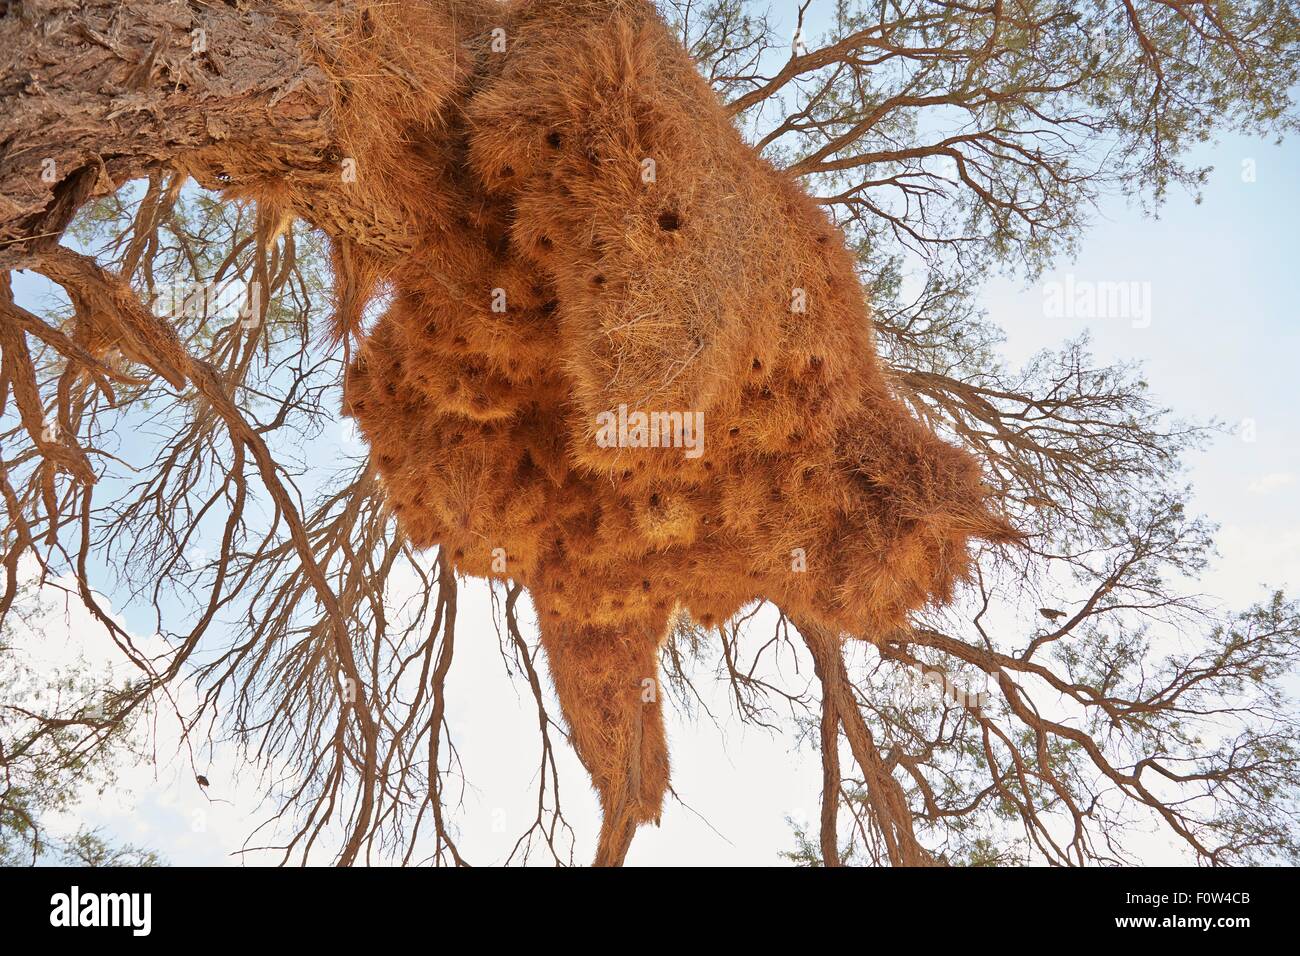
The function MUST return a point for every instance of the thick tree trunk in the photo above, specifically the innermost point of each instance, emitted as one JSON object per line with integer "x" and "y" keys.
{"x": 97, "y": 92}
{"x": 883, "y": 793}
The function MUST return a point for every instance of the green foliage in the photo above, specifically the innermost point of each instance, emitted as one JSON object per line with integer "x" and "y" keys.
{"x": 60, "y": 730}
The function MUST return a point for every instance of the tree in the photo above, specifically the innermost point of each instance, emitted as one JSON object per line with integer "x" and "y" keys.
{"x": 59, "y": 730}
{"x": 946, "y": 140}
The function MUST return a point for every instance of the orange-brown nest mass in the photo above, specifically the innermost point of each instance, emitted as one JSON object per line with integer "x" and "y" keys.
{"x": 603, "y": 266}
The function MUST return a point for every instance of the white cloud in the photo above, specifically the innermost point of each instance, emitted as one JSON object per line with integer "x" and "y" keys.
{"x": 1272, "y": 482}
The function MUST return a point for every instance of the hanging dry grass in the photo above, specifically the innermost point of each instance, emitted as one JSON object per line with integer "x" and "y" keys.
{"x": 590, "y": 232}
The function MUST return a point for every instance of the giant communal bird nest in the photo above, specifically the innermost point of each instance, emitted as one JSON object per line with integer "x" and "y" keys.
{"x": 594, "y": 242}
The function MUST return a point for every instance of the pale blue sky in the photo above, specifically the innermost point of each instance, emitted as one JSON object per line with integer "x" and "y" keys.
{"x": 1223, "y": 342}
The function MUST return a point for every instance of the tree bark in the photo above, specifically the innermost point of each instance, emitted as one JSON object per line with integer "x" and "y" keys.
{"x": 96, "y": 92}
{"x": 886, "y": 798}
{"x": 830, "y": 744}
